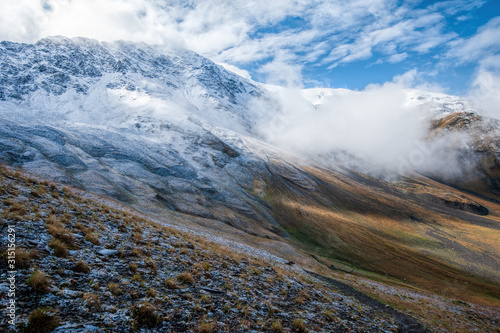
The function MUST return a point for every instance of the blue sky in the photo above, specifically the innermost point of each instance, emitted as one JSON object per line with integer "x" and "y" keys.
{"x": 451, "y": 45}
{"x": 361, "y": 55}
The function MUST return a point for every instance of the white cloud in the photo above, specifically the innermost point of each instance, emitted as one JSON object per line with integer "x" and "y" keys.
{"x": 375, "y": 124}
{"x": 282, "y": 72}
{"x": 417, "y": 80}
{"x": 398, "y": 57}
{"x": 483, "y": 44}
{"x": 453, "y": 7}
{"x": 485, "y": 88}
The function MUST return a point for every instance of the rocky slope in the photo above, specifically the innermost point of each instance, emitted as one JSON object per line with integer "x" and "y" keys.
{"x": 483, "y": 153}
{"x": 86, "y": 266}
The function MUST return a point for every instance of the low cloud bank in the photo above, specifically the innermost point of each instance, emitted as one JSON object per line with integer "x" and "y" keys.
{"x": 378, "y": 130}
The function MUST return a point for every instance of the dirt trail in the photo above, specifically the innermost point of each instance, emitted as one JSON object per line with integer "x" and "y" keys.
{"x": 406, "y": 323}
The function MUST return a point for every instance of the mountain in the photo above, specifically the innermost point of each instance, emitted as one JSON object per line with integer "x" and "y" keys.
{"x": 122, "y": 120}
{"x": 173, "y": 135}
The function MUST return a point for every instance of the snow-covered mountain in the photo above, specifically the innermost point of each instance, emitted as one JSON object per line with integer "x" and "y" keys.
{"x": 171, "y": 133}
{"x": 130, "y": 121}
{"x": 82, "y": 79}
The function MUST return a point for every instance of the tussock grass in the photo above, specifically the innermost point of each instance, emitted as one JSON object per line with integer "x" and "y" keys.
{"x": 136, "y": 252}
{"x": 92, "y": 302}
{"x": 151, "y": 264}
{"x": 302, "y": 297}
{"x": 39, "y": 192}
{"x": 8, "y": 202}
{"x": 205, "y": 327}
{"x": 60, "y": 249}
{"x": 82, "y": 267}
{"x": 39, "y": 282}
{"x": 171, "y": 284}
{"x": 151, "y": 292}
{"x": 58, "y": 231}
{"x": 114, "y": 288}
{"x": 41, "y": 320}
{"x": 92, "y": 237}
{"x": 276, "y": 327}
{"x": 185, "y": 278}
{"x": 24, "y": 258}
{"x": 299, "y": 325}
{"x": 144, "y": 315}
{"x": 17, "y": 210}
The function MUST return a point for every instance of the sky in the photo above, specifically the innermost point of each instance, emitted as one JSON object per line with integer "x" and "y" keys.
{"x": 451, "y": 46}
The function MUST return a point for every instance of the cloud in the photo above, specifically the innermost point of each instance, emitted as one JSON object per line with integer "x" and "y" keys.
{"x": 282, "y": 72}
{"x": 323, "y": 33}
{"x": 398, "y": 57}
{"x": 419, "y": 34}
{"x": 372, "y": 124}
{"x": 454, "y": 7}
{"x": 485, "y": 87}
{"x": 378, "y": 130}
{"x": 212, "y": 27}
{"x": 483, "y": 44}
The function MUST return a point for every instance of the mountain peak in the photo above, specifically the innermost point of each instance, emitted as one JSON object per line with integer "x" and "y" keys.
{"x": 57, "y": 65}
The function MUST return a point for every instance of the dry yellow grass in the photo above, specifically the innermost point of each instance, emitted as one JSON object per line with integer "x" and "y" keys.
{"x": 276, "y": 327}
{"x": 205, "y": 327}
{"x": 299, "y": 325}
{"x": 60, "y": 249}
{"x": 151, "y": 292}
{"x": 91, "y": 300}
{"x": 145, "y": 315}
{"x": 185, "y": 278}
{"x": 171, "y": 284}
{"x": 365, "y": 229}
{"x": 58, "y": 231}
{"x": 92, "y": 237}
{"x": 42, "y": 320}
{"x": 24, "y": 258}
{"x": 39, "y": 282}
{"x": 114, "y": 288}
{"x": 82, "y": 267}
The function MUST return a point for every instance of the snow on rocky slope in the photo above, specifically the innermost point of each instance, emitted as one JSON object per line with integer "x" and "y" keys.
{"x": 122, "y": 119}
{"x": 156, "y": 127}
{"x": 131, "y": 121}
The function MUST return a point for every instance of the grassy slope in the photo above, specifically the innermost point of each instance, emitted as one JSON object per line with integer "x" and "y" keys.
{"x": 381, "y": 228}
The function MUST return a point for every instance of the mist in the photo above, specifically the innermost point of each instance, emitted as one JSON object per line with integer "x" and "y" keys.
{"x": 378, "y": 130}
{"x": 485, "y": 88}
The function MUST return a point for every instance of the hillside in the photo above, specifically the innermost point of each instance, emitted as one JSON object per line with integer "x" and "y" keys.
{"x": 85, "y": 265}
{"x": 88, "y": 263}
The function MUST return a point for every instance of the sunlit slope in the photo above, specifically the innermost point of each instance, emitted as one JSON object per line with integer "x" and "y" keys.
{"x": 404, "y": 230}
{"x": 482, "y": 136}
